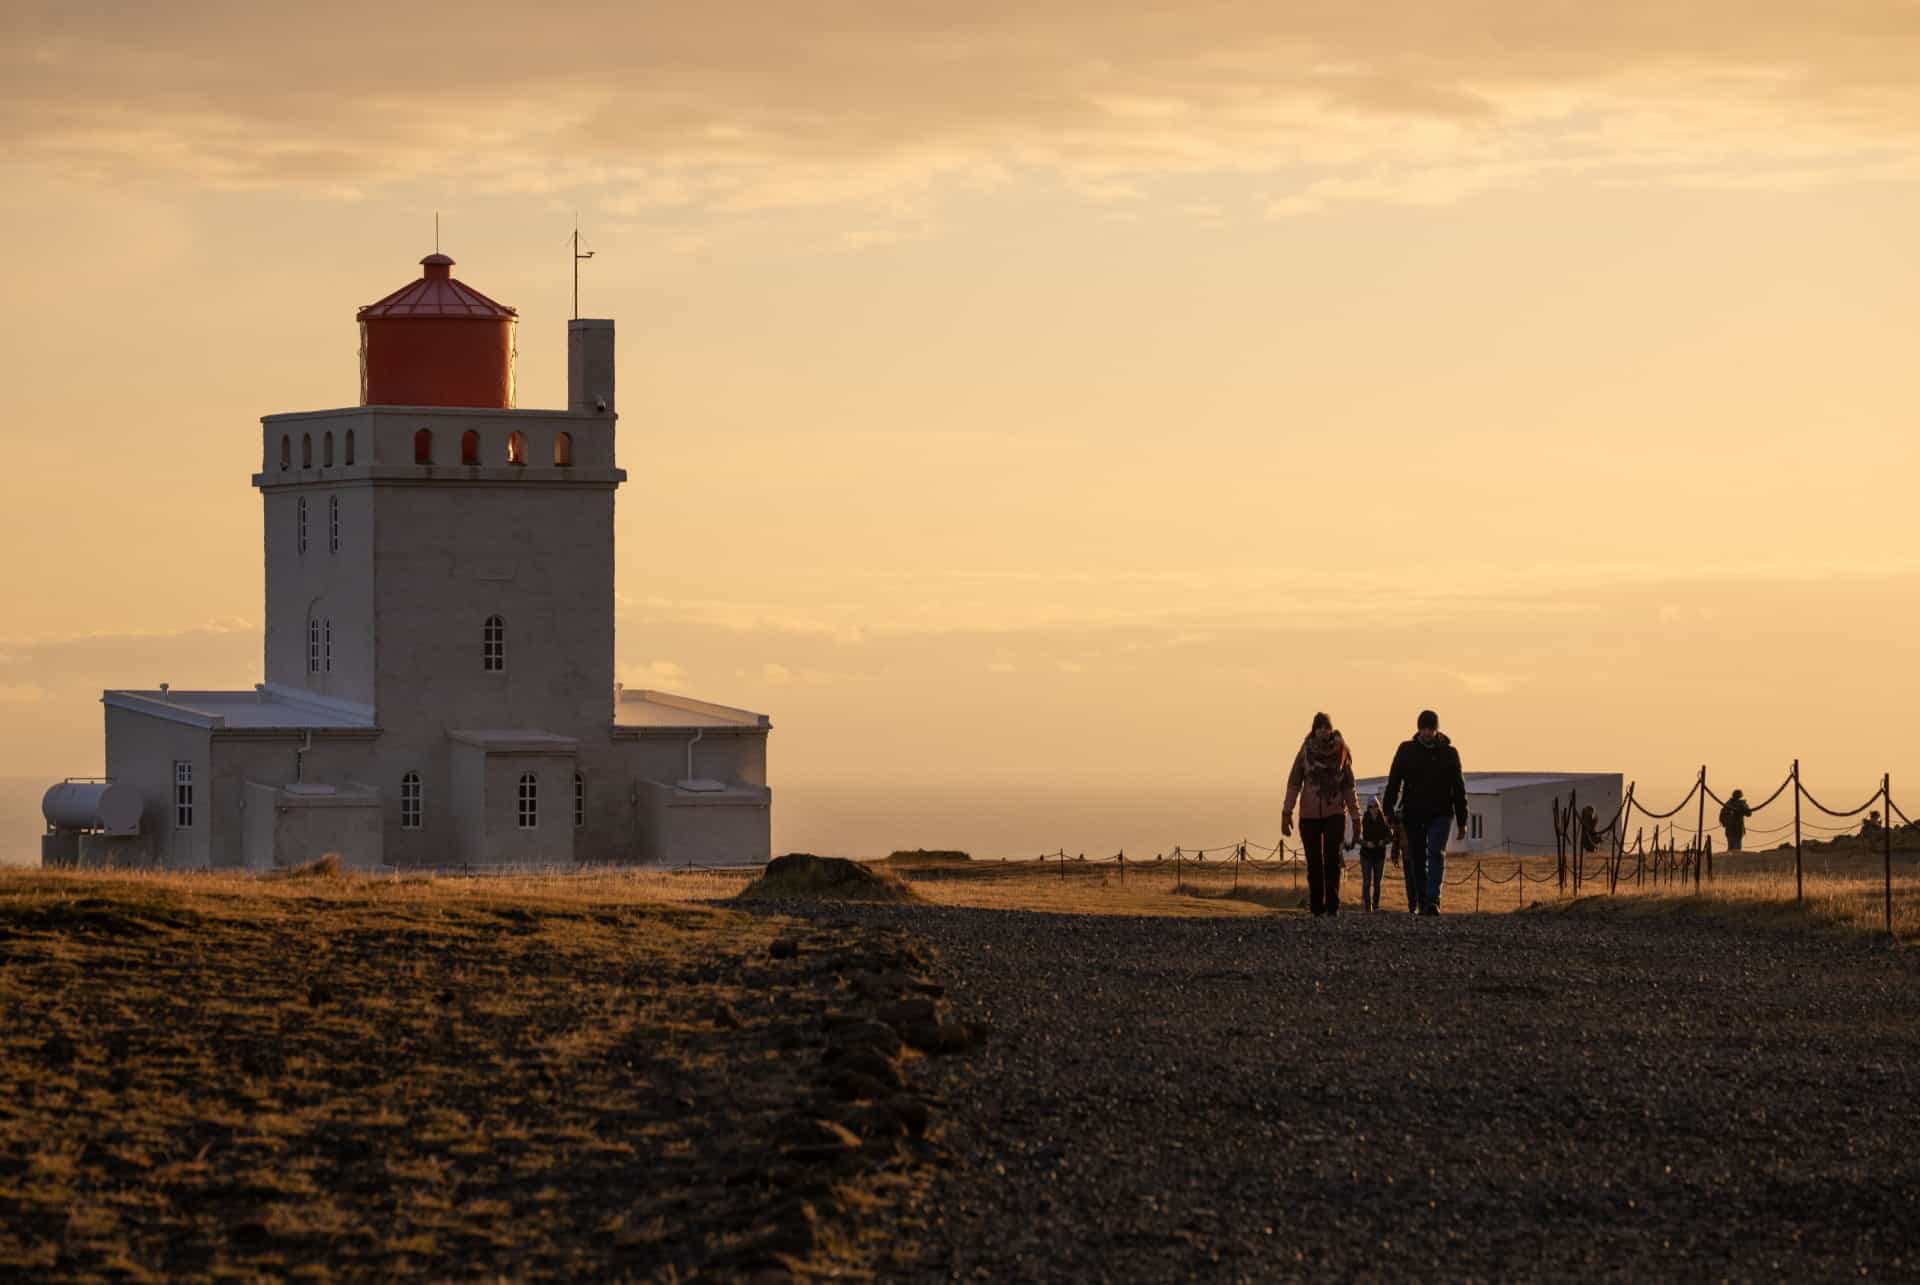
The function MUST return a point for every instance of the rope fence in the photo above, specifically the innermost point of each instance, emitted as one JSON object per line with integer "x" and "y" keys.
{"x": 1675, "y": 854}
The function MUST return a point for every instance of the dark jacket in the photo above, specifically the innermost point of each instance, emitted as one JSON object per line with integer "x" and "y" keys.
{"x": 1375, "y": 831}
{"x": 1425, "y": 782}
{"x": 1734, "y": 814}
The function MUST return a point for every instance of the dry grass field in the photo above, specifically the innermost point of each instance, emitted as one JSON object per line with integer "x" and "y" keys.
{"x": 614, "y": 1075}
{"x": 216, "y": 1076}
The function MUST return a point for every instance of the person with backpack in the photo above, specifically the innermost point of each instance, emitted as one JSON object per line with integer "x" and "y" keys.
{"x": 1321, "y": 781}
{"x": 1375, "y": 835}
{"x": 1426, "y": 788}
{"x": 1733, "y": 819}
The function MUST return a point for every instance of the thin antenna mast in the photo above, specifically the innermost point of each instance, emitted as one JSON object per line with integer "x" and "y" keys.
{"x": 577, "y": 256}
{"x": 436, "y": 231}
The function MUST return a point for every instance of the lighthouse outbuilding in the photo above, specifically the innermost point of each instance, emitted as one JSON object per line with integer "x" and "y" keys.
{"x": 439, "y": 657}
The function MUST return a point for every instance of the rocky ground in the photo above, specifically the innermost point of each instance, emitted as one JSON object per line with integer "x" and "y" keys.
{"x": 1519, "y": 1096}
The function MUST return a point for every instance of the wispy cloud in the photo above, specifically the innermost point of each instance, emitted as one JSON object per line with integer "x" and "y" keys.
{"x": 737, "y": 107}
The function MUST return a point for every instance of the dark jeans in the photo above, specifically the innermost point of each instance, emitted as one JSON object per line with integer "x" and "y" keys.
{"x": 1322, "y": 837}
{"x": 1735, "y": 835}
{"x": 1373, "y": 871}
{"x": 1426, "y": 861}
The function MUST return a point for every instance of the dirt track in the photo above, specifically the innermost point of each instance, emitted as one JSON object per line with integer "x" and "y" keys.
{"x": 1497, "y": 1097}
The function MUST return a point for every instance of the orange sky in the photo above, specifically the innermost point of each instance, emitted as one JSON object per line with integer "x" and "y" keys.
{"x": 1053, "y": 394}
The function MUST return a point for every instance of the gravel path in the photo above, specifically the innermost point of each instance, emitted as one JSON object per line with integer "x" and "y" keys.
{"x": 1489, "y": 1097}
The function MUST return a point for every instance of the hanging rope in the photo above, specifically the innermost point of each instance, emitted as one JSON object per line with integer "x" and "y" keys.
{"x": 1808, "y": 796}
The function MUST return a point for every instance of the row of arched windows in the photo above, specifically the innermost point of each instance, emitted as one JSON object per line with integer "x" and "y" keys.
{"x": 306, "y": 450}
{"x": 471, "y": 453}
{"x": 470, "y": 449}
{"x": 526, "y": 802}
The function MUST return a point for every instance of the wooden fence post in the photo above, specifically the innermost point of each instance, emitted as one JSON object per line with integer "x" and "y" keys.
{"x": 1799, "y": 877}
{"x": 1700, "y": 832}
{"x": 1886, "y": 840}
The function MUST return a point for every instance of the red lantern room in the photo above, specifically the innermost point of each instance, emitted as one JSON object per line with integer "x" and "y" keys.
{"x": 436, "y": 342}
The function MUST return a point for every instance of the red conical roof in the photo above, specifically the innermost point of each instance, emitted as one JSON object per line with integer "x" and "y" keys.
{"x": 437, "y": 294}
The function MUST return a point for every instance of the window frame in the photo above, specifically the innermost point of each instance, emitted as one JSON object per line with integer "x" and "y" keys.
{"x": 493, "y": 645}
{"x": 348, "y": 451}
{"x": 313, "y": 644}
{"x": 300, "y": 526}
{"x": 183, "y": 794}
{"x": 579, "y": 800}
{"x": 563, "y": 450}
{"x": 527, "y": 813}
{"x": 411, "y": 795}
{"x": 333, "y": 524}
{"x": 423, "y": 446}
{"x": 326, "y": 645}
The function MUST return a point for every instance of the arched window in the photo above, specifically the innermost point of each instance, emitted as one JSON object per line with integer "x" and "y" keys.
{"x": 306, "y": 450}
{"x": 333, "y": 524}
{"x": 493, "y": 645}
{"x": 529, "y": 801}
{"x": 516, "y": 447}
{"x": 326, "y": 645}
{"x": 349, "y": 459}
{"x": 326, "y": 451}
{"x": 286, "y": 452}
{"x": 470, "y": 447}
{"x": 410, "y": 801}
{"x": 300, "y": 526}
{"x": 563, "y": 449}
{"x": 423, "y": 446}
{"x": 579, "y": 800}
{"x": 313, "y": 644}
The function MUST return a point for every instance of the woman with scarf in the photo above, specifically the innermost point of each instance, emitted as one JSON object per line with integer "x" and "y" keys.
{"x": 1322, "y": 783}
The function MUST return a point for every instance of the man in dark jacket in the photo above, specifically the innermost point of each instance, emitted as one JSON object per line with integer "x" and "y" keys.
{"x": 1426, "y": 790}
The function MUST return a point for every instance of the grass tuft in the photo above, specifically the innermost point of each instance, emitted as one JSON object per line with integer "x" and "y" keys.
{"x": 800, "y": 875}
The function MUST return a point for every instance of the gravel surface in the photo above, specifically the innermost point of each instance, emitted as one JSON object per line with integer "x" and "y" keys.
{"x": 1498, "y": 1097}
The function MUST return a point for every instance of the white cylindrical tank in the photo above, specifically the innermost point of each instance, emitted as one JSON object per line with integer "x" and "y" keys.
{"x": 92, "y": 805}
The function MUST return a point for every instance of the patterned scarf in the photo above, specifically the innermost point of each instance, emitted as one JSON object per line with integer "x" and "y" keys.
{"x": 1329, "y": 766}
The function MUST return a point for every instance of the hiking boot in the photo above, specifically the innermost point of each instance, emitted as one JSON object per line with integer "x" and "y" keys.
{"x": 1429, "y": 910}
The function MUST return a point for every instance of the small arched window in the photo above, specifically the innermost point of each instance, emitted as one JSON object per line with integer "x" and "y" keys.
{"x": 349, "y": 458}
{"x": 286, "y": 452}
{"x": 410, "y": 801}
{"x": 493, "y": 645}
{"x": 529, "y": 801}
{"x": 326, "y": 645}
{"x": 326, "y": 451}
{"x": 306, "y": 450}
{"x": 579, "y": 800}
{"x": 516, "y": 447}
{"x": 563, "y": 449}
{"x": 300, "y": 526}
{"x": 313, "y": 644}
{"x": 333, "y": 524}
{"x": 470, "y": 447}
{"x": 423, "y": 446}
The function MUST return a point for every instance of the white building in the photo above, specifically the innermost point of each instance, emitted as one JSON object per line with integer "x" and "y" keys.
{"x": 439, "y": 676}
{"x": 1512, "y": 812}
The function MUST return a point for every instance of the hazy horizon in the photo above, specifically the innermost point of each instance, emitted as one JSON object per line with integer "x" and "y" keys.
{"x": 1044, "y": 407}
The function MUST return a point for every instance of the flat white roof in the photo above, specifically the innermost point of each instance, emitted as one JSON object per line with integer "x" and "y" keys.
{"x": 1500, "y": 782}
{"x": 638, "y": 708}
{"x": 263, "y": 707}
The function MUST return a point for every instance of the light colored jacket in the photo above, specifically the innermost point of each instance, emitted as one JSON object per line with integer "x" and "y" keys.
{"x": 1314, "y": 805}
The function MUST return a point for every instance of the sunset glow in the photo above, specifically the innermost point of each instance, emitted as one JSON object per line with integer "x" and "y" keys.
{"x": 1044, "y": 410}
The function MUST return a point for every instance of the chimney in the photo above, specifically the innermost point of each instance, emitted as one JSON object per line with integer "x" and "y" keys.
{"x": 590, "y": 366}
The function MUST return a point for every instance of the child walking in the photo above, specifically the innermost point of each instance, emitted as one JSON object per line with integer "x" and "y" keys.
{"x": 1375, "y": 834}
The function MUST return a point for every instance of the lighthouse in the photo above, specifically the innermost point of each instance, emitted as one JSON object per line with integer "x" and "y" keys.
{"x": 438, "y": 674}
